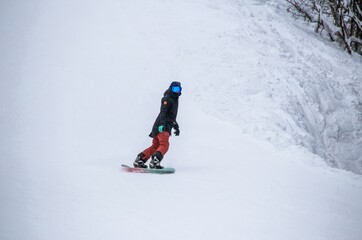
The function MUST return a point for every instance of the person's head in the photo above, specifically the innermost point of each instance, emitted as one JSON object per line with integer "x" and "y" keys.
{"x": 176, "y": 88}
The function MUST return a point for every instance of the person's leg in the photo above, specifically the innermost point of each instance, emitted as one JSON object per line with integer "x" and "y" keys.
{"x": 163, "y": 144}
{"x": 161, "y": 150}
{"x": 151, "y": 150}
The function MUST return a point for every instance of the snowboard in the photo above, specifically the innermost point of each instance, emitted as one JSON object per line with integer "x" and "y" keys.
{"x": 166, "y": 170}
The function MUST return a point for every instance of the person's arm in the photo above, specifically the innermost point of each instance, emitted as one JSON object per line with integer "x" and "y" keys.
{"x": 165, "y": 106}
{"x": 177, "y": 128}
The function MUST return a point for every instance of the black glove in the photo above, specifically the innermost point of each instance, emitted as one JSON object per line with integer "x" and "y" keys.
{"x": 177, "y": 129}
{"x": 177, "y": 132}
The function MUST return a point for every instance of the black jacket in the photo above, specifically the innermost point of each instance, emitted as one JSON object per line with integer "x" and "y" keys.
{"x": 168, "y": 113}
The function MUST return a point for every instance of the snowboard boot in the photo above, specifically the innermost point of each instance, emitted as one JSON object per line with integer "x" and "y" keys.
{"x": 155, "y": 162}
{"x": 139, "y": 162}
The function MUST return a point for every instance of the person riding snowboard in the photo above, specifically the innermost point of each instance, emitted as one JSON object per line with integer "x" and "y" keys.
{"x": 161, "y": 130}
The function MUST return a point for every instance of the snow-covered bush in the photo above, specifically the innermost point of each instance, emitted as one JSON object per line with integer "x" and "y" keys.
{"x": 340, "y": 19}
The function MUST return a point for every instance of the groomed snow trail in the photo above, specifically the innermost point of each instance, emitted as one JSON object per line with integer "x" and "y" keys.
{"x": 80, "y": 88}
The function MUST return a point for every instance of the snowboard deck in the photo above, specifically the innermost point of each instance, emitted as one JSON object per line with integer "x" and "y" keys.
{"x": 166, "y": 170}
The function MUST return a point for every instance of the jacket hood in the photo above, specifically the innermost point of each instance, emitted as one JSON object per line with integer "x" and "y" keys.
{"x": 169, "y": 93}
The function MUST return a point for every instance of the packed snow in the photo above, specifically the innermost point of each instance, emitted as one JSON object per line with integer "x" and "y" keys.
{"x": 270, "y": 119}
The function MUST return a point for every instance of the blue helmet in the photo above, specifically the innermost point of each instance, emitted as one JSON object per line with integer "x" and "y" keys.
{"x": 176, "y": 87}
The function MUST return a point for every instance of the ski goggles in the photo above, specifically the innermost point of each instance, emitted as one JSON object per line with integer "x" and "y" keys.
{"x": 176, "y": 89}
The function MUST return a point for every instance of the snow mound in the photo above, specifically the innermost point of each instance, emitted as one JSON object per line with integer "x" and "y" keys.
{"x": 275, "y": 79}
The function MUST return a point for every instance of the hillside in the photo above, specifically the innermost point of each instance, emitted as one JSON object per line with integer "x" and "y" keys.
{"x": 263, "y": 99}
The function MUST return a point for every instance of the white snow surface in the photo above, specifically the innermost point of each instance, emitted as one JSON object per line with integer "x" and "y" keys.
{"x": 264, "y": 100}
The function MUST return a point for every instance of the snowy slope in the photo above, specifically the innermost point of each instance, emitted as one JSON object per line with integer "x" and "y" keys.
{"x": 80, "y": 88}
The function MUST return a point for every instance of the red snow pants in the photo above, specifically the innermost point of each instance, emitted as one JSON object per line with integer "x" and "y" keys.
{"x": 159, "y": 144}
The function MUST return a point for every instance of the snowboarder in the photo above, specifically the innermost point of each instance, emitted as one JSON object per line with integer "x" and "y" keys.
{"x": 161, "y": 130}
